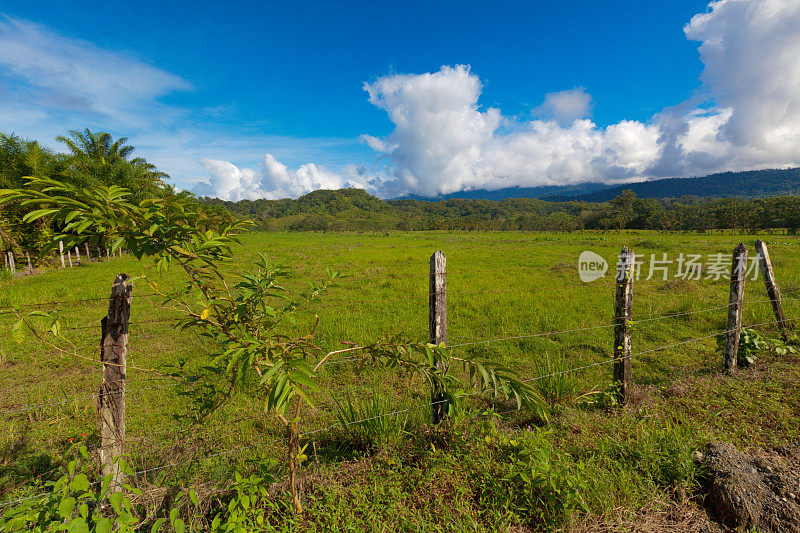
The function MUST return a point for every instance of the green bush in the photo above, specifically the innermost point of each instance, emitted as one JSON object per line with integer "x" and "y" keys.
{"x": 73, "y": 503}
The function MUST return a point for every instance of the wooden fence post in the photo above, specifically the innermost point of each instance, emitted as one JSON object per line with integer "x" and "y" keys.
{"x": 11, "y": 263}
{"x": 734, "y": 329}
{"x": 114, "y": 355}
{"x": 69, "y": 257}
{"x": 30, "y": 266}
{"x": 623, "y": 307}
{"x": 61, "y": 253}
{"x": 773, "y": 291}
{"x": 78, "y": 255}
{"x": 88, "y": 255}
{"x": 437, "y": 325}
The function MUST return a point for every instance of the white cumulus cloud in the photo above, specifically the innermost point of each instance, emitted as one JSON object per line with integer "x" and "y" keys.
{"x": 444, "y": 142}
{"x": 272, "y": 180}
{"x": 565, "y": 106}
{"x": 751, "y": 55}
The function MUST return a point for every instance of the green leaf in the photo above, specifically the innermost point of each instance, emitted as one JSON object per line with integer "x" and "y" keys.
{"x": 116, "y": 501}
{"x": 66, "y": 507}
{"x": 79, "y": 483}
{"x": 37, "y": 214}
{"x": 104, "y": 525}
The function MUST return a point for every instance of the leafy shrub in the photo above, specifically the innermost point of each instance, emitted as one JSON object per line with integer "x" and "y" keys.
{"x": 751, "y": 342}
{"x": 73, "y": 503}
{"x": 534, "y": 484}
{"x": 249, "y": 508}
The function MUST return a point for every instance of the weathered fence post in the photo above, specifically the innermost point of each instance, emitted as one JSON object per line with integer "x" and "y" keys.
{"x": 734, "y": 330}
{"x": 88, "y": 255}
{"x": 30, "y": 266}
{"x": 623, "y": 307}
{"x": 69, "y": 257}
{"x": 11, "y": 263}
{"x": 114, "y": 355}
{"x": 78, "y": 255}
{"x": 437, "y": 325}
{"x": 99, "y": 254}
{"x": 61, "y": 253}
{"x": 773, "y": 291}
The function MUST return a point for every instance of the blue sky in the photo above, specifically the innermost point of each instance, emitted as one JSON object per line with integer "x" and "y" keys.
{"x": 207, "y": 91}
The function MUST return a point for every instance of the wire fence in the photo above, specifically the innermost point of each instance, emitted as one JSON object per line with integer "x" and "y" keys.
{"x": 466, "y": 341}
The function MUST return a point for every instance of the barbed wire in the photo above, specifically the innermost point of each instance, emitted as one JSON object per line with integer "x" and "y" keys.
{"x": 396, "y": 412}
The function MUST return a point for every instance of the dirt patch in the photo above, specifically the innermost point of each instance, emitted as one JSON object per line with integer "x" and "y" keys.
{"x": 660, "y": 516}
{"x": 756, "y": 489}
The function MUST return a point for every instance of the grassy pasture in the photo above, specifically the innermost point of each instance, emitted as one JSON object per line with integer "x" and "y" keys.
{"x": 499, "y": 285}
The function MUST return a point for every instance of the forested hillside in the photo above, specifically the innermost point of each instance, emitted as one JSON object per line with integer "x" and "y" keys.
{"x": 355, "y": 210}
{"x": 749, "y": 184}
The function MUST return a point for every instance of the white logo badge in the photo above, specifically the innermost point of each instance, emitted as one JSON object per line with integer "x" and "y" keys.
{"x": 591, "y": 266}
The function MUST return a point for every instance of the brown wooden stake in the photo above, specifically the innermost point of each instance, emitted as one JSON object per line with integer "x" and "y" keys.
{"x": 61, "y": 253}
{"x": 773, "y": 291}
{"x": 623, "y": 307}
{"x": 437, "y": 325}
{"x": 734, "y": 330}
{"x": 114, "y": 355}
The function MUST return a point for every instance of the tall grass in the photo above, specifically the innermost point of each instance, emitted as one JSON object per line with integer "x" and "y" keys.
{"x": 371, "y": 424}
{"x": 555, "y": 380}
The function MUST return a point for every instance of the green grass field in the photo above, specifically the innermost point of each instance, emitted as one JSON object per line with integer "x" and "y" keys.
{"x": 604, "y": 467}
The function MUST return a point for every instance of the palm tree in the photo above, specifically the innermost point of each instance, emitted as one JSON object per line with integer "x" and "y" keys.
{"x": 97, "y": 156}
{"x": 98, "y": 146}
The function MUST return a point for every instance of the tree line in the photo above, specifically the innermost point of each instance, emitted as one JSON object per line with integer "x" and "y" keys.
{"x": 91, "y": 158}
{"x": 356, "y": 210}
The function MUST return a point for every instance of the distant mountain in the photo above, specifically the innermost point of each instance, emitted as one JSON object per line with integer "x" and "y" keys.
{"x": 513, "y": 192}
{"x": 748, "y": 184}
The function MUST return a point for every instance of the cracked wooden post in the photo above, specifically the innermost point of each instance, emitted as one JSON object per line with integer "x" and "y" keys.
{"x": 61, "y": 253}
{"x": 773, "y": 291}
{"x": 88, "y": 255}
{"x": 623, "y": 307}
{"x": 734, "y": 329}
{"x": 114, "y": 355}
{"x": 12, "y": 265}
{"x": 29, "y": 271}
{"x": 78, "y": 255}
{"x": 437, "y": 325}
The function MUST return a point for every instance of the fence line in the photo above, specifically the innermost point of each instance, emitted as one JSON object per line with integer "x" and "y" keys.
{"x": 435, "y": 404}
{"x": 393, "y": 413}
